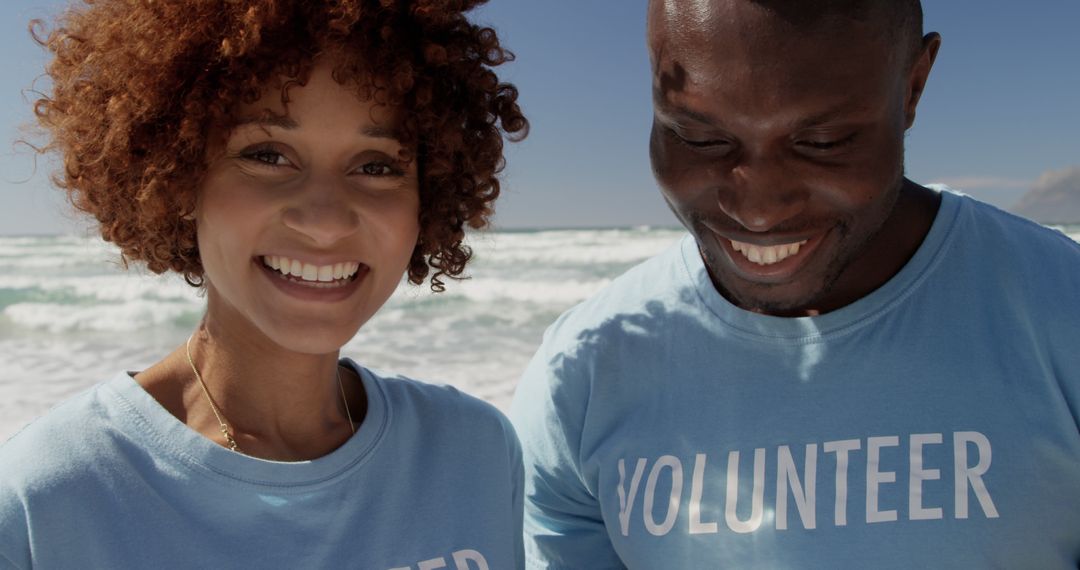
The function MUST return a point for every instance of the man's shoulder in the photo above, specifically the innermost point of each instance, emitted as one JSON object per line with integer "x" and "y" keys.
{"x": 1005, "y": 229}
{"x": 1011, "y": 244}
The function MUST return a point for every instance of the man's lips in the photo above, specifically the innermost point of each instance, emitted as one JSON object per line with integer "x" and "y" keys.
{"x": 768, "y": 258}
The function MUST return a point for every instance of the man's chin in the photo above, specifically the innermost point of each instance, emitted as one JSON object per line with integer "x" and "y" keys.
{"x": 792, "y": 299}
{"x": 806, "y": 293}
{"x": 777, "y": 305}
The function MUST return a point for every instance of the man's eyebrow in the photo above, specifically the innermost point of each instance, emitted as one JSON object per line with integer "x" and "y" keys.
{"x": 678, "y": 111}
{"x": 841, "y": 111}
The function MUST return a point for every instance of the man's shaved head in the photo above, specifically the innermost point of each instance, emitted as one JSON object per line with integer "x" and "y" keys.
{"x": 781, "y": 123}
{"x": 900, "y": 21}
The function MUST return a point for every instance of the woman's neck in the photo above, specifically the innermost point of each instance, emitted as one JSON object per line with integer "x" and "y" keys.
{"x": 278, "y": 404}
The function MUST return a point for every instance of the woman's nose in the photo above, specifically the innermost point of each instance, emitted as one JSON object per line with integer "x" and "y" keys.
{"x": 322, "y": 212}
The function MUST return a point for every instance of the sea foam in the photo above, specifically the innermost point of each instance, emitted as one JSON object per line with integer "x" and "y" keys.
{"x": 71, "y": 316}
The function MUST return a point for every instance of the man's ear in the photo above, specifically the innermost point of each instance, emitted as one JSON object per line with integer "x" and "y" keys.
{"x": 917, "y": 76}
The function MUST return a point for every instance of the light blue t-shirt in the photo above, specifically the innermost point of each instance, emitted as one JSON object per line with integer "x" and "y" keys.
{"x": 431, "y": 480}
{"x": 930, "y": 424}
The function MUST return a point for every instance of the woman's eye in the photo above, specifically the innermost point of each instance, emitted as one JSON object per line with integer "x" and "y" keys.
{"x": 267, "y": 157}
{"x": 377, "y": 169}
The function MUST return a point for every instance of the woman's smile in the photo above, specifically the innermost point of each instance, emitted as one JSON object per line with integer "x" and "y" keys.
{"x": 309, "y": 272}
{"x": 329, "y": 283}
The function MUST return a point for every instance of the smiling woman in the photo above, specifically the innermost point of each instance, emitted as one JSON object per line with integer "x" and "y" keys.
{"x": 293, "y": 160}
{"x": 319, "y": 182}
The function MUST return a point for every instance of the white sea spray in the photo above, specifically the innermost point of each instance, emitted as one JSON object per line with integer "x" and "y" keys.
{"x": 71, "y": 316}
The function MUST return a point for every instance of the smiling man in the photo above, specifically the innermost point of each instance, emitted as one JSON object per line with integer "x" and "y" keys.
{"x": 837, "y": 367}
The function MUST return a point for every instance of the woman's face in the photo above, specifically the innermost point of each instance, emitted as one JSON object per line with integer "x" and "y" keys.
{"x": 307, "y": 217}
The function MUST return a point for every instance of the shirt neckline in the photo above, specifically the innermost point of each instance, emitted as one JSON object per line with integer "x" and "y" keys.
{"x": 160, "y": 431}
{"x": 803, "y": 330}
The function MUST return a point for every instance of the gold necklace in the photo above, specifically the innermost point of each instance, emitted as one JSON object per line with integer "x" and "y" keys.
{"x": 221, "y": 420}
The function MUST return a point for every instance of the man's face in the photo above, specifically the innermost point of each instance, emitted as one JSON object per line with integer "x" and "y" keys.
{"x": 779, "y": 148}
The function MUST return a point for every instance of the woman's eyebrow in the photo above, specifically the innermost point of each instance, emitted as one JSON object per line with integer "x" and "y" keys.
{"x": 280, "y": 121}
{"x": 288, "y": 123}
{"x": 380, "y": 132}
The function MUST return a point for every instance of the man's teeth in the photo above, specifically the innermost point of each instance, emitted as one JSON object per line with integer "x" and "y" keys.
{"x": 767, "y": 254}
{"x": 310, "y": 272}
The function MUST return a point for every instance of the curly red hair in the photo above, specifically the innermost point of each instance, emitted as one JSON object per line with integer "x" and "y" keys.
{"x": 137, "y": 86}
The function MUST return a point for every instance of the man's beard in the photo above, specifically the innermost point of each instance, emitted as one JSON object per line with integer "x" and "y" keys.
{"x": 834, "y": 269}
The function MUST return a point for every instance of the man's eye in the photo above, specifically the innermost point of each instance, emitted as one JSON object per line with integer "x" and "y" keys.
{"x": 825, "y": 145}
{"x": 820, "y": 145}
{"x": 700, "y": 143}
{"x": 706, "y": 143}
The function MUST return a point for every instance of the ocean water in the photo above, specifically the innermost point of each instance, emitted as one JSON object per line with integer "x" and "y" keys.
{"x": 70, "y": 316}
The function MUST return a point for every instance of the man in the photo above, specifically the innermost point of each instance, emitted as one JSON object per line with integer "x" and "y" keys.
{"x": 837, "y": 368}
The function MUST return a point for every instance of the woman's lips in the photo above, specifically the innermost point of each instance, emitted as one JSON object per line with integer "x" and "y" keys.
{"x": 308, "y": 290}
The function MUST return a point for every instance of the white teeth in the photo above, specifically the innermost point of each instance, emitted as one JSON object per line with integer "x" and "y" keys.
{"x": 311, "y": 272}
{"x": 767, "y": 255}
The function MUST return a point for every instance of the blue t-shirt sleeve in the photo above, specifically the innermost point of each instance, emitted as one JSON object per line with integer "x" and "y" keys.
{"x": 6, "y": 564}
{"x": 564, "y": 529}
{"x": 518, "y": 500}
{"x": 1061, "y": 325}
{"x": 14, "y": 540}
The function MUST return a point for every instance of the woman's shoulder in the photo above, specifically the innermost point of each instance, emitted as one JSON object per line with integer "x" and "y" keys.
{"x": 58, "y": 445}
{"x": 437, "y": 408}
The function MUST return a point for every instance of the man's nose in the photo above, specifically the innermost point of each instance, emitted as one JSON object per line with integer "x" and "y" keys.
{"x": 321, "y": 211}
{"x": 762, "y": 194}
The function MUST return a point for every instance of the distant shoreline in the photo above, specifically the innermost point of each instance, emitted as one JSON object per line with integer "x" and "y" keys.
{"x": 523, "y": 230}
{"x": 1072, "y": 226}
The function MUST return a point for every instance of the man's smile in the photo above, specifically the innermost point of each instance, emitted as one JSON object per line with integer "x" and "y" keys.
{"x": 771, "y": 259}
{"x": 767, "y": 254}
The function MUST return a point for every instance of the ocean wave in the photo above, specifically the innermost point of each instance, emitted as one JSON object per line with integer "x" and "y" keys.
{"x": 105, "y": 288}
{"x": 129, "y": 316}
{"x": 15, "y": 263}
{"x": 562, "y": 293}
{"x": 572, "y": 247}
{"x": 487, "y": 288}
{"x": 57, "y": 245}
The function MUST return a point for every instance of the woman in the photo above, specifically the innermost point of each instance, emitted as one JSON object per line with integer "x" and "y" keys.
{"x": 293, "y": 159}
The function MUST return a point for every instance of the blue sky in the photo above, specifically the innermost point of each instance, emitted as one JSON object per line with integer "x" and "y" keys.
{"x": 1002, "y": 107}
